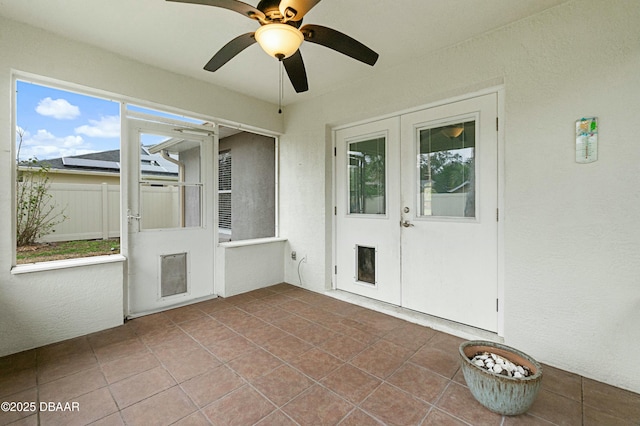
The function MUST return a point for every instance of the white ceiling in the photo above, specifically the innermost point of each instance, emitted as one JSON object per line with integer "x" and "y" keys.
{"x": 182, "y": 37}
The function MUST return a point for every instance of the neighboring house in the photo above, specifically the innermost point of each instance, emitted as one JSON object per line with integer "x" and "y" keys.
{"x": 104, "y": 167}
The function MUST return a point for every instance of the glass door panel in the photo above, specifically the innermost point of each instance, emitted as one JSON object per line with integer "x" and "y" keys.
{"x": 170, "y": 183}
{"x": 367, "y": 176}
{"x": 446, "y": 161}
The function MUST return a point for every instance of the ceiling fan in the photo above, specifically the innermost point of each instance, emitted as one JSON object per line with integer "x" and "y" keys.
{"x": 280, "y": 35}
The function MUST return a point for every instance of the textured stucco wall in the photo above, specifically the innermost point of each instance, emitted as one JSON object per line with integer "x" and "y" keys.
{"x": 571, "y": 236}
{"x": 39, "y": 308}
{"x": 252, "y": 185}
{"x": 249, "y": 267}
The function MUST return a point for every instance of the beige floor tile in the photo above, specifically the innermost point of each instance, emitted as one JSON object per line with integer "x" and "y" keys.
{"x": 282, "y": 384}
{"x": 254, "y": 364}
{"x": 317, "y": 406}
{"x": 164, "y": 408}
{"x": 376, "y": 362}
{"x": 190, "y": 364}
{"x": 351, "y": 383}
{"x": 458, "y": 402}
{"x": 440, "y": 418}
{"x": 141, "y": 386}
{"x": 14, "y": 413}
{"x": 277, "y": 418}
{"x": 446, "y": 363}
{"x": 343, "y": 347}
{"x": 562, "y": 382}
{"x": 12, "y": 381}
{"x": 392, "y": 406}
{"x": 195, "y": 419}
{"x": 213, "y": 385}
{"x": 243, "y": 406}
{"x": 422, "y": 383}
{"x": 556, "y": 408}
{"x": 120, "y": 349}
{"x": 317, "y": 363}
{"x": 56, "y": 368}
{"x": 69, "y": 387}
{"x": 359, "y": 418}
{"x": 609, "y": 399}
{"x": 127, "y": 366}
{"x": 92, "y": 406}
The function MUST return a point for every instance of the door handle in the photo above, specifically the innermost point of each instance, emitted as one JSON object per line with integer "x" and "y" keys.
{"x": 132, "y": 216}
{"x": 406, "y": 223}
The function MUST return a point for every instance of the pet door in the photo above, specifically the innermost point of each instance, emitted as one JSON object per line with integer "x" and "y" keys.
{"x": 366, "y": 264}
{"x": 173, "y": 274}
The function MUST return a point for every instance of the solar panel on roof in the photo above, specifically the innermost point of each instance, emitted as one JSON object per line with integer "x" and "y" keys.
{"x": 88, "y": 163}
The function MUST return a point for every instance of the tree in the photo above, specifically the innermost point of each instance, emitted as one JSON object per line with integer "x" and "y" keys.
{"x": 447, "y": 170}
{"x": 36, "y": 214}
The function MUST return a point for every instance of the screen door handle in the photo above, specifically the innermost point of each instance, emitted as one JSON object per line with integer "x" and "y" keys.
{"x": 131, "y": 216}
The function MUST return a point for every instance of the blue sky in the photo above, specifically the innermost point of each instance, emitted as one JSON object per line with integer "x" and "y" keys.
{"x": 57, "y": 123}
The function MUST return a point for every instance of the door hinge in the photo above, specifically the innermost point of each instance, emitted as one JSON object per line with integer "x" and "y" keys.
{"x": 497, "y": 215}
{"x": 335, "y": 151}
{"x": 335, "y": 210}
{"x": 335, "y": 269}
{"x": 497, "y": 310}
{"x": 497, "y": 124}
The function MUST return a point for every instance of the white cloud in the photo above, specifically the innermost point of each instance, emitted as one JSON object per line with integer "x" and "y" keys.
{"x": 106, "y": 127}
{"x": 59, "y": 108}
{"x": 45, "y": 145}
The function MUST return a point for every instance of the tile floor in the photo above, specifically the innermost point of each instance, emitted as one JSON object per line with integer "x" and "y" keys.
{"x": 278, "y": 356}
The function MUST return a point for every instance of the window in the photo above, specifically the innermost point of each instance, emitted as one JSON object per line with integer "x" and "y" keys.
{"x": 68, "y": 173}
{"x": 224, "y": 195}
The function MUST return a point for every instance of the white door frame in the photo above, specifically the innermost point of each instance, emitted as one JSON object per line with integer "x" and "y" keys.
{"x": 499, "y": 91}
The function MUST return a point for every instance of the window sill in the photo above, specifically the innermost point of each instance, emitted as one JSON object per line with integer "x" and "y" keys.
{"x": 254, "y": 242}
{"x": 67, "y": 263}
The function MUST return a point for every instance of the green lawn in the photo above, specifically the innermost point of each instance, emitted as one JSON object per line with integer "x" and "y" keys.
{"x": 66, "y": 250}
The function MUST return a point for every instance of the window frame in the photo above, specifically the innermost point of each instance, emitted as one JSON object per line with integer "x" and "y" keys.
{"x": 124, "y": 101}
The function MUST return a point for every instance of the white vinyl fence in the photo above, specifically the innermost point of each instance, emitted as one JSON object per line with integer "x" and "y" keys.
{"x": 93, "y": 210}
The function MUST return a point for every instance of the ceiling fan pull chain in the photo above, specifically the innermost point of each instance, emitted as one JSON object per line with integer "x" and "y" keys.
{"x": 280, "y": 88}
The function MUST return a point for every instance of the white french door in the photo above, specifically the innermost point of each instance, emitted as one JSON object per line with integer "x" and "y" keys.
{"x": 436, "y": 244}
{"x": 170, "y": 221}
{"x": 367, "y": 160}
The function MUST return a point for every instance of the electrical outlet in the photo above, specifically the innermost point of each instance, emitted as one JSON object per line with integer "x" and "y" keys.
{"x": 293, "y": 255}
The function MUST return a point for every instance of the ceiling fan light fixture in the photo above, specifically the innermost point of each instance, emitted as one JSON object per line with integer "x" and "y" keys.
{"x": 279, "y": 40}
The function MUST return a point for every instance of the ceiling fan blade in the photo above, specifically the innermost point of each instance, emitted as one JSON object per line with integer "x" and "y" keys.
{"x": 294, "y": 10}
{"x": 229, "y": 51}
{"x": 296, "y": 72}
{"x": 236, "y": 6}
{"x": 339, "y": 42}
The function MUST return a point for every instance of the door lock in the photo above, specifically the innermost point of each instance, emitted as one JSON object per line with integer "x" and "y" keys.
{"x": 406, "y": 210}
{"x": 406, "y": 223}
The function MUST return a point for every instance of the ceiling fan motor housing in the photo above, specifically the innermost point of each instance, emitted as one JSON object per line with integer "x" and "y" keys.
{"x": 271, "y": 9}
